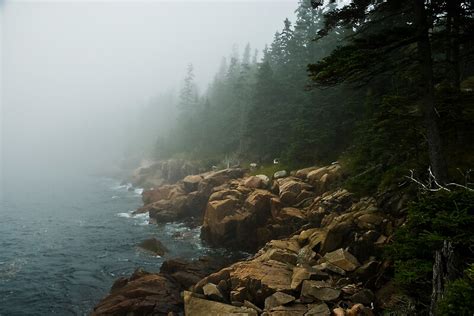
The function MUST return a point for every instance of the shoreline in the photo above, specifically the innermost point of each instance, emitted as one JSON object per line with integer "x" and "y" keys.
{"x": 313, "y": 245}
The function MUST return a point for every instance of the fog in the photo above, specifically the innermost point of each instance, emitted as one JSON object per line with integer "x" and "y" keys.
{"x": 76, "y": 75}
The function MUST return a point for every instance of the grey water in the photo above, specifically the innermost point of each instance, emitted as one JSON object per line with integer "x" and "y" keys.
{"x": 65, "y": 239}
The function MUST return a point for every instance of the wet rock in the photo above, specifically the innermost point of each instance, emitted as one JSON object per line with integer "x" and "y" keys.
{"x": 342, "y": 259}
{"x": 319, "y": 290}
{"x": 153, "y": 245}
{"x": 277, "y": 299}
{"x": 145, "y": 294}
{"x": 200, "y": 307}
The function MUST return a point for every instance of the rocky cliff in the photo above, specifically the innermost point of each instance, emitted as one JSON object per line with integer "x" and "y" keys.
{"x": 318, "y": 247}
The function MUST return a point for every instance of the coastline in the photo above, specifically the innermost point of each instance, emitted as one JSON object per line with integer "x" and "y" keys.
{"x": 315, "y": 247}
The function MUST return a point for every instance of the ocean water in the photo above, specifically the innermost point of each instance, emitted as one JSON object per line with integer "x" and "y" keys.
{"x": 64, "y": 240}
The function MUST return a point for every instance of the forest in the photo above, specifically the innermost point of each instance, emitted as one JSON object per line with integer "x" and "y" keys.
{"x": 383, "y": 86}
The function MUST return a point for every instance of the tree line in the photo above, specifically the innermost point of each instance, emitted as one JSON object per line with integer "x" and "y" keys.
{"x": 383, "y": 86}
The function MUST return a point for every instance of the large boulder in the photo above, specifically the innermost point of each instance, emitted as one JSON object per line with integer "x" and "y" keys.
{"x": 142, "y": 294}
{"x": 191, "y": 183}
{"x": 154, "y": 246}
{"x": 319, "y": 290}
{"x": 196, "y": 306}
{"x": 303, "y": 173}
{"x": 323, "y": 178}
{"x": 290, "y": 188}
{"x": 343, "y": 259}
{"x": 234, "y": 223}
{"x": 257, "y": 182}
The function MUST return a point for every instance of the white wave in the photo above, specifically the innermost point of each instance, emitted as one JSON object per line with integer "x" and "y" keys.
{"x": 140, "y": 219}
{"x": 121, "y": 187}
{"x": 115, "y": 197}
{"x": 125, "y": 215}
{"x": 138, "y": 191}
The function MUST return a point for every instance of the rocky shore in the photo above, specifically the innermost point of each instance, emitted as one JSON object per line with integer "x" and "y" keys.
{"x": 317, "y": 247}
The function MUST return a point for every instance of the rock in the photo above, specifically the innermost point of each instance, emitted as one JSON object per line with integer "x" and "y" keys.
{"x": 338, "y": 312}
{"x": 252, "y": 305}
{"x": 235, "y": 231}
{"x": 217, "y": 178}
{"x": 364, "y": 296}
{"x": 336, "y": 236}
{"x": 369, "y": 221}
{"x": 319, "y": 290}
{"x": 258, "y": 203}
{"x": 275, "y": 207}
{"x": 265, "y": 179}
{"x": 292, "y": 214}
{"x": 342, "y": 259}
{"x": 261, "y": 279}
{"x": 285, "y": 244}
{"x": 155, "y": 195}
{"x": 212, "y": 291}
{"x": 359, "y": 310}
{"x": 316, "y": 174}
{"x": 240, "y": 294}
{"x": 367, "y": 270}
{"x": 217, "y": 210}
{"x": 277, "y": 299}
{"x": 290, "y": 188}
{"x": 200, "y": 307}
{"x": 320, "y": 309}
{"x": 145, "y": 294}
{"x": 280, "y": 174}
{"x": 304, "y": 273}
{"x": 191, "y": 183}
{"x": 303, "y": 173}
{"x": 153, "y": 245}
{"x": 280, "y": 255}
{"x": 256, "y": 182}
{"x": 305, "y": 195}
{"x": 330, "y": 267}
{"x": 324, "y": 177}
{"x": 289, "y": 310}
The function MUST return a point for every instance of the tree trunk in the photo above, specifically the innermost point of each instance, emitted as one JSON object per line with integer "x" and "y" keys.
{"x": 453, "y": 43}
{"x": 445, "y": 269}
{"x": 437, "y": 160}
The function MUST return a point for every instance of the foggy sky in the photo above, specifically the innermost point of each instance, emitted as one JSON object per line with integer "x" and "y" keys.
{"x": 75, "y": 73}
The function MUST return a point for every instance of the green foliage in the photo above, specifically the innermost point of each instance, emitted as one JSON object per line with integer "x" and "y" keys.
{"x": 386, "y": 145}
{"x": 431, "y": 220}
{"x": 458, "y": 296}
